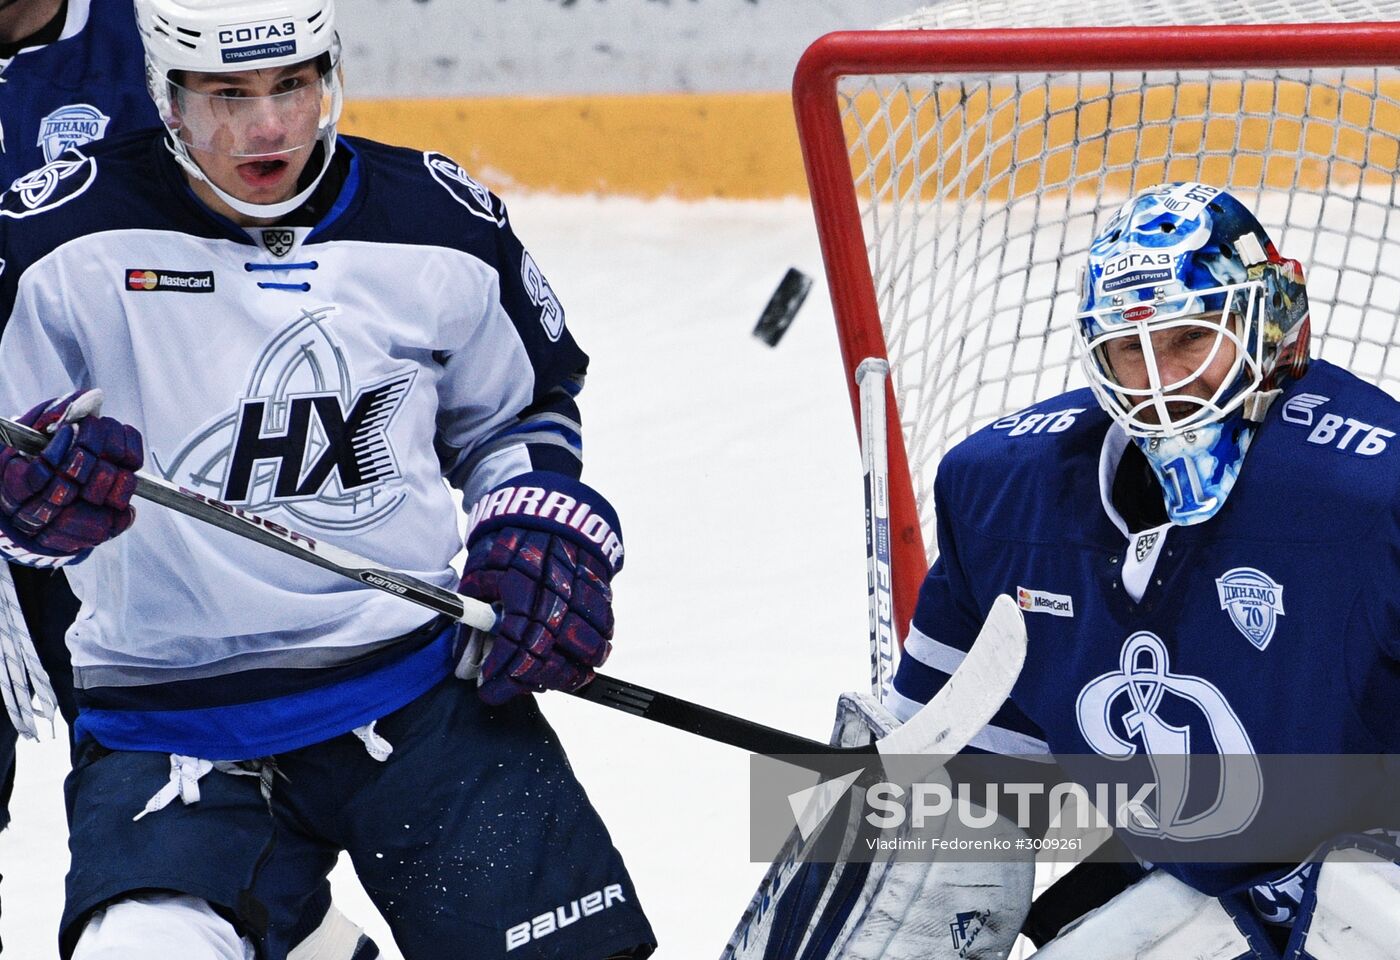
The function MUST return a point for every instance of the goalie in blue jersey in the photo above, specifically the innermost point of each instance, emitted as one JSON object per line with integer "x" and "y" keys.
{"x": 333, "y": 332}
{"x": 1206, "y": 551}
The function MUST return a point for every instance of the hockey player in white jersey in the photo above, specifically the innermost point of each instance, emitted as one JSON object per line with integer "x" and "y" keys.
{"x": 319, "y": 329}
{"x": 73, "y": 72}
{"x": 1211, "y": 471}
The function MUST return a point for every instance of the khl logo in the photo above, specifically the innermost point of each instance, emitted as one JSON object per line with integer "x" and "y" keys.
{"x": 1120, "y": 717}
{"x": 1253, "y": 601}
{"x": 1144, "y": 545}
{"x": 304, "y": 437}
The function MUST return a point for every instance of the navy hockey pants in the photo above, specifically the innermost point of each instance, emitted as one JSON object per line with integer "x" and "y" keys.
{"x": 473, "y": 838}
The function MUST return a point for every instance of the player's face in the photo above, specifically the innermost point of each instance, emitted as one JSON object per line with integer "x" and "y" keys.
{"x": 252, "y": 132}
{"x": 1191, "y": 360}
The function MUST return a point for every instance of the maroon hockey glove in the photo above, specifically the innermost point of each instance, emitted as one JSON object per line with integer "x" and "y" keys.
{"x": 543, "y": 551}
{"x": 74, "y": 495}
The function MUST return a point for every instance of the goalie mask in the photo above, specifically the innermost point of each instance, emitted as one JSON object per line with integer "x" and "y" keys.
{"x": 231, "y": 36}
{"x": 1190, "y": 324}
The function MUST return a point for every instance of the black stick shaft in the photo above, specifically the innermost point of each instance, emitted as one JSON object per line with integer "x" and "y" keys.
{"x": 704, "y": 721}
{"x": 608, "y": 691}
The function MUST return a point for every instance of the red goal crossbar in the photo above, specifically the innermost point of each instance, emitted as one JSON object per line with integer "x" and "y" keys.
{"x": 999, "y": 51}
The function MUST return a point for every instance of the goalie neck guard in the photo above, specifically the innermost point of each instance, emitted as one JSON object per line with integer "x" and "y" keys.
{"x": 231, "y": 36}
{"x": 1190, "y": 323}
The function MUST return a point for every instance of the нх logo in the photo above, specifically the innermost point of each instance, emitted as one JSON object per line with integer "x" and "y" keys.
{"x": 1253, "y": 601}
{"x": 304, "y": 435}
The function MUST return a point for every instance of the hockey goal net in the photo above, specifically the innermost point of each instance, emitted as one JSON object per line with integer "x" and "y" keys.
{"x": 958, "y": 175}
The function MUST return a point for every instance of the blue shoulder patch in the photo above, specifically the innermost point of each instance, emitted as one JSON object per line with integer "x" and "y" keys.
{"x": 51, "y": 186}
{"x": 71, "y": 126}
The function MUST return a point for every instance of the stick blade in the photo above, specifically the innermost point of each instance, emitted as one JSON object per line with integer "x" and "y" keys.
{"x": 974, "y": 692}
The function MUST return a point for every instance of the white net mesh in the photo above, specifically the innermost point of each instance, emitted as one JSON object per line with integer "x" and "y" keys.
{"x": 979, "y": 195}
{"x": 974, "y": 14}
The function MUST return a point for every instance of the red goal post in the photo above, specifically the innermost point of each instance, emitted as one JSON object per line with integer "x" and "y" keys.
{"x": 1296, "y": 119}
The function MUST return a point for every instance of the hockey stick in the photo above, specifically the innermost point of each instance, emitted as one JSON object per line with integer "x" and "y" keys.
{"x": 927, "y": 731}
{"x": 944, "y": 725}
{"x": 871, "y": 375}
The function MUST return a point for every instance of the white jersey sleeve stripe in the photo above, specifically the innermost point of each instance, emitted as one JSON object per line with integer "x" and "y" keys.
{"x": 1006, "y": 742}
{"x": 992, "y": 738}
{"x": 901, "y": 706}
{"x": 932, "y": 653}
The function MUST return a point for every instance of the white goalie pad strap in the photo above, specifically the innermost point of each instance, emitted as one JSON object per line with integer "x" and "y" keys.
{"x": 1157, "y": 918}
{"x": 1357, "y": 912}
{"x": 337, "y": 938}
{"x": 861, "y": 719}
{"x": 24, "y": 684}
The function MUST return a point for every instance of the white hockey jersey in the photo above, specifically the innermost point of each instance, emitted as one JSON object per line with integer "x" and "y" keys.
{"x": 328, "y": 377}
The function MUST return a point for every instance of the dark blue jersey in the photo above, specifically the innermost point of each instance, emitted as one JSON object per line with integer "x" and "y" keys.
{"x": 88, "y": 84}
{"x": 1273, "y": 628}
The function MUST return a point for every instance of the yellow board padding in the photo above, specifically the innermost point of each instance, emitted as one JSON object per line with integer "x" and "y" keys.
{"x": 959, "y": 142}
{"x": 1002, "y": 140}
{"x": 691, "y": 146}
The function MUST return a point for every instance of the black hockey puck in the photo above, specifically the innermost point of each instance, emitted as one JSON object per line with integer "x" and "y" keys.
{"x": 782, "y": 307}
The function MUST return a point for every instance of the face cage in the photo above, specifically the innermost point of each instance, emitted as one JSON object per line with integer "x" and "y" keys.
{"x": 228, "y": 126}
{"x": 1126, "y": 404}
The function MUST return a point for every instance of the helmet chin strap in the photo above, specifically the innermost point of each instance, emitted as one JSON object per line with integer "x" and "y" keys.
{"x": 270, "y": 211}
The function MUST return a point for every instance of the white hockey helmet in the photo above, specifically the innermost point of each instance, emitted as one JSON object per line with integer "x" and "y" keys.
{"x": 228, "y": 36}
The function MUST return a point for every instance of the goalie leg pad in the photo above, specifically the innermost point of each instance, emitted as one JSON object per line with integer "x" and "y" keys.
{"x": 1161, "y": 918}
{"x": 889, "y": 910}
{"x": 1351, "y": 909}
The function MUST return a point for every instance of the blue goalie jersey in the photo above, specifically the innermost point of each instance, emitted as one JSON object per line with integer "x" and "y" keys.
{"x": 328, "y": 378}
{"x": 1273, "y": 628}
{"x": 88, "y": 84}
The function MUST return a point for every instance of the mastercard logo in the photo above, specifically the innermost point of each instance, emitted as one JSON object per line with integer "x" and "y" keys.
{"x": 142, "y": 280}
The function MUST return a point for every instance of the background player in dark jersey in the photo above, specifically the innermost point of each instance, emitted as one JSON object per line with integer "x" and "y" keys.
{"x": 1204, "y": 546}
{"x": 73, "y": 72}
